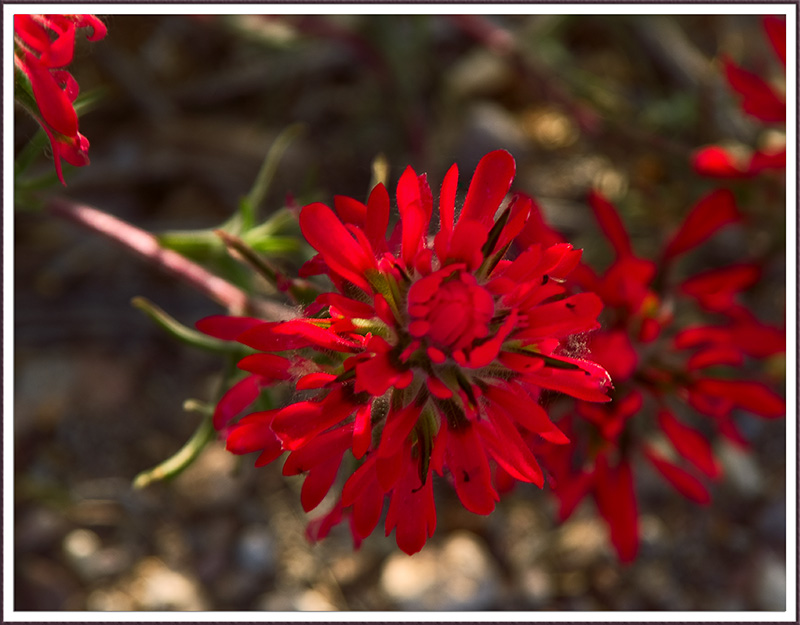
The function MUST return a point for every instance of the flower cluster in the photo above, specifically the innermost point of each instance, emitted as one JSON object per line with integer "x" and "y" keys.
{"x": 660, "y": 371}
{"x": 430, "y": 356}
{"x": 43, "y": 46}
{"x": 760, "y": 100}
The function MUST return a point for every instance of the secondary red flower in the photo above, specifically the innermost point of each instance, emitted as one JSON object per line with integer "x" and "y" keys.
{"x": 654, "y": 374}
{"x": 430, "y": 358}
{"x": 43, "y": 46}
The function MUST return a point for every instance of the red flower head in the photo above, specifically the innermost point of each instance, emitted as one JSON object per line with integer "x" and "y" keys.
{"x": 649, "y": 365}
{"x": 43, "y": 44}
{"x": 431, "y": 357}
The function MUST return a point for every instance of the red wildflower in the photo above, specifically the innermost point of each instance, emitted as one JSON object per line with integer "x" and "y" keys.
{"x": 430, "y": 358}
{"x": 760, "y": 100}
{"x": 638, "y": 310}
{"x": 43, "y": 45}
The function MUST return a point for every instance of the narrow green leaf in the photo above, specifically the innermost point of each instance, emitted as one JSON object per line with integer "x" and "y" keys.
{"x": 248, "y": 207}
{"x": 180, "y": 331}
{"x": 187, "y": 454}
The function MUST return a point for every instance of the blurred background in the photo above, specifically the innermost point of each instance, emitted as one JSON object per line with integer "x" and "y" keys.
{"x": 188, "y": 108}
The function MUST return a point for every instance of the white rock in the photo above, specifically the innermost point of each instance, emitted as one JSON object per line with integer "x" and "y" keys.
{"x": 458, "y": 575}
{"x": 156, "y": 587}
{"x": 771, "y": 584}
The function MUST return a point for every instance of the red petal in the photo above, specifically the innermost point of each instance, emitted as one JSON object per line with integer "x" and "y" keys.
{"x": 683, "y": 481}
{"x": 438, "y": 388}
{"x": 236, "y": 399}
{"x": 54, "y": 104}
{"x": 759, "y": 99}
{"x": 614, "y": 350}
{"x": 357, "y": 483}
{"x": 377, "y": 220}
{"x": 389, "y": 470}
{"x": 376, "y": 375}
{"x": 314, "y": 380}
{"x": 715, "y": 290}
{"x": 775, "y": 26}
{"x": 761, "y": 161}
{"x": 610, "y": 223}
{"x": 343, "y": 254}
{"x": 90, "y": 21}
{"x": 536, "y": 230}
{"x": 398, "y": 426}
{"x": 318, "y": 450}
{"x": 267, "y": 365}
{"x": 712, "y": 356}
{"x": 572, "y": 315}
{"x": 700, "y": 335}
{"x": 253, "y": 433}
{"x": 294, "y": 334}
{"x": 412, "y": 511}
{"x": 362, "y": 431}
{"x": 346, "y": 306}
{"x": 349, "y": 210}
{"x": 31, "y": 32}
{"x": 225, "y": 327}
{"x": 318, "y": 482}
{"x": 469, "y": 467}
{"x": 751, "y": 396}
{"x": 320, "y": 527}
{"x": 525, "y": 410}
{"x": 447, "y": 201}
{"x": 616, "y": 501}
{"x": 508, "y": 449}
{"x": 571, "y": 491}
{"x": 489, "y": 185}
{"x": 520, "y": 209}
{"x": 466, "y": 243}
{"x": 367, "y": 510}
{"x": 716, "y": 162}
{"x": 689, "y": 443}
{"x": 298, "y": 423}
{"x": 757, "y": 339}
{"x": 415, "y": 225}
{"x": 711, "y": 212}
{"x": 589, "y": 382}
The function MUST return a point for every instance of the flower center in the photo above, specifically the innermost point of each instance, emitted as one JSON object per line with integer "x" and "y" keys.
{"x": 449, "y": 308}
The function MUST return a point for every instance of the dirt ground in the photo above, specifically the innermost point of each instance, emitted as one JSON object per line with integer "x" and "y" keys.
{"x": 190, "y": 106}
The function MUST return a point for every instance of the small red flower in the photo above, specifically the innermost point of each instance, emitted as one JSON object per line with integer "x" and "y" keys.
{"x": 431, "y": 358}
{"x": 43, "y": 44}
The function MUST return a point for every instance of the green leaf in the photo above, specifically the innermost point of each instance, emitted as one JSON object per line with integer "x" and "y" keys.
{"x": 248, "y": 207}
{"x": 174, "y": 465}
{"x": 181, "y": 332}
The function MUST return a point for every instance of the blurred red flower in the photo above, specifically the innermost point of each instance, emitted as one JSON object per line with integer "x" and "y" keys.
{"x": 43, "y": 45}
{"x": 647, "y": 358}
{"x": 430, "y": 357}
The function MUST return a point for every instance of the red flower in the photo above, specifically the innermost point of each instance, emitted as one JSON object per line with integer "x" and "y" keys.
{"x": 430, "y": 358}
{"x": 760, "y": 100}
{"x": 43, "y": 44}
{"x": 651, "y": 370}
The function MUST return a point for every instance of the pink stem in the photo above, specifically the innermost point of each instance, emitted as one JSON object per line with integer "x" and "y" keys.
{"x": 234, "y": 299}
